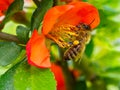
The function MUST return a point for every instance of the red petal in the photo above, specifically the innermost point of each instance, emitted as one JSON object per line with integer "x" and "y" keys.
{"x": 38, "y": 54}
{"x": 52, "y": 15}
{"x": 1, "y": 13}
{"x": 4, "y": 4}
{"x": 81, "y": 13}
{"x": 73, "y": 13}
{"x": 59, "y": 77}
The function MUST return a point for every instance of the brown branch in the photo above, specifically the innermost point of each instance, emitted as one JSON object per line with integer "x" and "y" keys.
{"x": 9, "y": 37}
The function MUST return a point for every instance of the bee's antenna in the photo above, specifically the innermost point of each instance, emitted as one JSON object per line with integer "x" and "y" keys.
{"x": 92, "y": 21}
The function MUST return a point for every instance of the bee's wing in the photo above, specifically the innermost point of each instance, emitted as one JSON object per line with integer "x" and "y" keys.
{"x": 80, "y": 53}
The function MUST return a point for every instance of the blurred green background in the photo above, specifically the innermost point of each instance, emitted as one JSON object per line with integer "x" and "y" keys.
{"x": 104, "y": 54}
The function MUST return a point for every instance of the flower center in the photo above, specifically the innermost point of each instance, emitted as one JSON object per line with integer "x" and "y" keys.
{"x": 67, "y": 35}
{"x": 63, "y": 35}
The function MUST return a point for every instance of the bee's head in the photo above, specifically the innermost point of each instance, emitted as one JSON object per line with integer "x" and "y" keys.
{"x": 83, "y": 26}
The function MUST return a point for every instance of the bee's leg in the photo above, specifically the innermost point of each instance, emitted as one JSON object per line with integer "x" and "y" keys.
{"x": 80, "y": 53}
{"x": 69, "y": 57}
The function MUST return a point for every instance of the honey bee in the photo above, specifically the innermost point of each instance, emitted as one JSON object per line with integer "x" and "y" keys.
{"x": 72, "y": 38}
{"x": 75, "y": 51}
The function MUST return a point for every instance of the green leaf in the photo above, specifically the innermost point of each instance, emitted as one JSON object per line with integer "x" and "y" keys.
{"x": 8, "y": 52}
{"x": 113, "y": 69}
{"x": 16, "y": 6}
{"x": 110, "y": 59}
{"x": 89, "y": 48}
{"x": 7, "y": 79}
{"x": 81, "y": 84}
{"x": 38, "y": 14}
{"x": 55, "y": 52}
{"x": 111, "y": 75}
{"x": 26, "y": 77}
{"x": 111, "y": 81}
{"x": 19, "y": 58}
{"x": 22, "y": 34}
{"x": 37, "y": 2}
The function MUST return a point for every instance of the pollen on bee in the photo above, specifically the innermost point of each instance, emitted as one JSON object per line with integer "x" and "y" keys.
{"x": 76, "y": 42}
{"x": 63, "y": 34}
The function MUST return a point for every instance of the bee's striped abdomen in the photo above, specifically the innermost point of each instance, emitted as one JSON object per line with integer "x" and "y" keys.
{"x": 74, "y": 52}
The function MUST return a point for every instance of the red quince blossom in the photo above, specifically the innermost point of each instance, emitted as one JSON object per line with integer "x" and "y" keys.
{"x": 4, "y": 4}
{"x": 59, "y": 77}
{"x": 72, "y": 14}
{"x": 37, "y": 52}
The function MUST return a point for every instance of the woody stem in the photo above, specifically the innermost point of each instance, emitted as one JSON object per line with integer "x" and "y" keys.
{"x": 8, "y": 37}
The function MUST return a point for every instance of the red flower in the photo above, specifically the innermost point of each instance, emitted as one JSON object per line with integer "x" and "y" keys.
{"x": 72, "y": 14}
{"x": 37, "y": 52}
{"x": 58, "y": 76}
{"x": 4, "y": 4}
